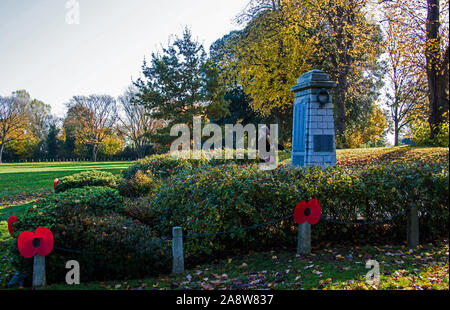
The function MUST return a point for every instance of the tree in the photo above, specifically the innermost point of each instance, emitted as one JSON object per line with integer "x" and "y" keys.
{"x": 52, "y": 141}
{"x": 268, "y": 56}
{"x": 369, "y": 132}
{"x": 284, "y": 39}
{"x": 71, "y": 126}
{"x": 347, "y": 45}
{"x": 97, "y": 116}
{"x": 424, "y": 27}
{"x": 239, "y": 108}
{"x": 406, "y": 85}
{"x": 178, "y": 85}
{"x": 137, "y": 122}
{"x": 12, "y": 122}
{"x": 40, "y": 118}
{"x": 111, "y": 146}
{"x": 437, "y": 66}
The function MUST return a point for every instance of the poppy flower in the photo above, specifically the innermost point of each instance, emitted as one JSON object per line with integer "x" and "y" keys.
{"x": 55, "y": 182}
{"x": 39, "y": 242}
{"x": 12, "y": 219}
{"x": 307, "y": 212}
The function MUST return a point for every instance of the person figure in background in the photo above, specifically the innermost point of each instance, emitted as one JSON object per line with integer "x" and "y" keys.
{"x": 270, "y": 156}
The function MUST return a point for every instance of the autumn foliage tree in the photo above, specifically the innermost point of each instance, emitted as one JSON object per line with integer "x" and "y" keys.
{"x": 348, "y": 45}
{"x": 406, "y": 88}
{"x": 12, "y": 121}
{"x": 95, "y": 117}
{"x": 423, "y": 26}
{"x": 284, "y": 39}
{"x": 136, "y": 122}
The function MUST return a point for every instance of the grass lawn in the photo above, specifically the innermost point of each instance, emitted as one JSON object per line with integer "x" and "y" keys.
{"x": 337, "y": 268}
{"x": 22, "y": 181}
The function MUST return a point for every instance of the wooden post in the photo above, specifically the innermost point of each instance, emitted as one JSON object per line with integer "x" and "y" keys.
{"x": 39, "y": 271}
{"x": 177, "y": 250}
{"x": 304, "y": 239}
{"x": 412, "y": 230}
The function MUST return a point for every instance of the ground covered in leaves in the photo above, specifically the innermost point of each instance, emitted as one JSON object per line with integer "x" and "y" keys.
{"x": 424, "y": 268}
{"x": 380, "y": 156}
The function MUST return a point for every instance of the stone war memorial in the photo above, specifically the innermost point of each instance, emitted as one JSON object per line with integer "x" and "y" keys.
{"x": 313, "y": 140}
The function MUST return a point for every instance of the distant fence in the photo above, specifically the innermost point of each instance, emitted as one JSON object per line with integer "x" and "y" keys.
{"x": 48, "y": 160}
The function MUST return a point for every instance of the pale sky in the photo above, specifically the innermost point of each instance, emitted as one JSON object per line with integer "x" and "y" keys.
{"x": 53, "y": 60}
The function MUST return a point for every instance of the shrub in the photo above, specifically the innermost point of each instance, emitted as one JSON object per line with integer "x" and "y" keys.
{"x": 226, "y": 198}
{"x": 88, "y": 222}
{"x": 93, "y": 199}
{"x": 163, "y": 166}
{"x": 86, "y": 178}
{"x": 139, "y": 209}
{"x": 421, "y": 133}
{"x": 138, "y": 185}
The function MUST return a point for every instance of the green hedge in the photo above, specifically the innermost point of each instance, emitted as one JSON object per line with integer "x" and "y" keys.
{"x": 87, "y": 178}
{"x": 115, "y": 235}
{"x": 143, "y": 178}
{"x": 226, "y": 198}
{"x": 165, "y": 165}
{"x": 91, "y": 220}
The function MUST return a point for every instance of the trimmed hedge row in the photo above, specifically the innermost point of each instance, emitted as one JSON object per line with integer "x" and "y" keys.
{"x": 143, "y": 178}
{"x": 165, "y": 165}
{"x": 227, "y": 198}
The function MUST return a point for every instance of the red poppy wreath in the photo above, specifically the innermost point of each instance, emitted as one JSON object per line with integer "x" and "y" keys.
{"x": 12, "y": 219}
{"x": 39, "y": 242}
{"x": 55, "y": 182}
{"x": 307, "y": 212}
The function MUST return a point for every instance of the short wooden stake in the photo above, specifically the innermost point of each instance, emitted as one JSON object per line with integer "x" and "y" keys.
{"x": 39, "y": 271}
{"x": 412, "y": 230}
{"x": 177, "y": 250}
{"x": 304, "y": 239}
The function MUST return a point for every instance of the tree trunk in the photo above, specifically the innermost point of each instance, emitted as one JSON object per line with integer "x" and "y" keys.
{"x": 1, "y": 152}
{"x": 340, "y": 111}
{"x": 94, "y": 153}
{"x": 396, "y": 134}
{"x": 437, "y": 72}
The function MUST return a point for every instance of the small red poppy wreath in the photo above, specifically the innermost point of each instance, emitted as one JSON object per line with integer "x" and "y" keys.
{"x": 39, "y": 242}
{"x": 307, "y": 212}
{"x": 55, "y": 182}
{"x": 12, "y": 219}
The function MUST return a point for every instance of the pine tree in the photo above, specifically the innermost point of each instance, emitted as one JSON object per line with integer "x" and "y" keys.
{"x": 52, "y": 142}
{"x": 179, "y": 83}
